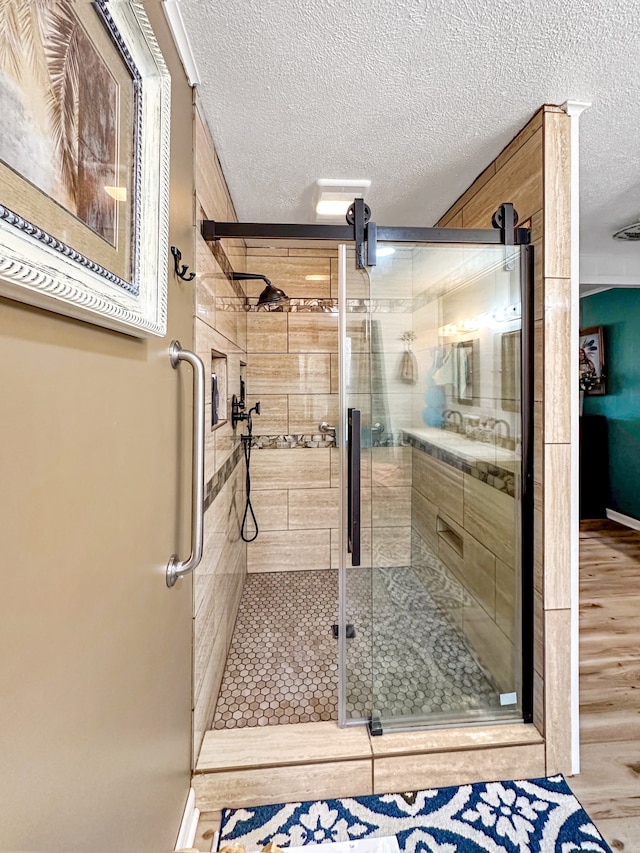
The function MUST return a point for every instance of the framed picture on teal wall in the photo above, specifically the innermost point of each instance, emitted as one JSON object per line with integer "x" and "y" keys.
{"x": 591, "y": 361}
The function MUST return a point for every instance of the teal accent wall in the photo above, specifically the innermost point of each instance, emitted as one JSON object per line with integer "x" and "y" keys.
{"x": 618, "y": 310}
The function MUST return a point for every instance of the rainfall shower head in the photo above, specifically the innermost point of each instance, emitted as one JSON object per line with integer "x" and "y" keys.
{"x": 270, "y": 295}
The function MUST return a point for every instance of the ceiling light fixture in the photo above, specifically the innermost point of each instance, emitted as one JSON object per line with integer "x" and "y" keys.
{"x": 335, "y": 195}
{"x": 333, "y": 207}
{"x": 384, "y": 251}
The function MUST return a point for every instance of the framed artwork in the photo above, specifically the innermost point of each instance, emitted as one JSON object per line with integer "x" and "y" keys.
{"x": 591, "y": 361}
{"x": 84, "y": 162}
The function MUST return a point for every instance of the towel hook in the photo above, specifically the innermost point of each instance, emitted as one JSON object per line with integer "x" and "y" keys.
{"x": 181, "y": 273}
{"x": 408, "y": 338}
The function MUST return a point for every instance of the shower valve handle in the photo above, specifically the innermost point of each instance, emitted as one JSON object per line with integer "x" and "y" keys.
{"x": 237, "y": 411}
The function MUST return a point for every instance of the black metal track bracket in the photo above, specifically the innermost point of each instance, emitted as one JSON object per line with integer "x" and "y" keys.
{"x": 375, "y": 726}
{"x": 366, "y": 234}
{"x": 506, "y": 219}
{"x": 359, "y": 215}
{"x": 372, "y": 244}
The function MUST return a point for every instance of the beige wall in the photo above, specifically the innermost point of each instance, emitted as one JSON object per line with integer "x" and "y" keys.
{"x": 220, "y": 325}
{"x": 534, "y": 172}
{"x": 96, "y": 661}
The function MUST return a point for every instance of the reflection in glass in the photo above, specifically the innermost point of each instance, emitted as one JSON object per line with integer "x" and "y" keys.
{"x": 432, "y": 348}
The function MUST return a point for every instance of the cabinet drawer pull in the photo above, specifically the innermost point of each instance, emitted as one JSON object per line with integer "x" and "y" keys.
{"x": 449, "y": 535}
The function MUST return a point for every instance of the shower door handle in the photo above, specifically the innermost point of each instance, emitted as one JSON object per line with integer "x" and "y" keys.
{"x": 353, "y": 485}
{"x": 179, "y": 568}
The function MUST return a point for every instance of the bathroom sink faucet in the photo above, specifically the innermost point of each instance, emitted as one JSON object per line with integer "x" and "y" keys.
{"x": 507, "y": 429}
{"x": 502, "y": 436}
{"x": 450, "y": 417}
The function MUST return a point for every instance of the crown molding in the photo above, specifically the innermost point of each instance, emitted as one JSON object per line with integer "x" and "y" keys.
{"x": 181, "y": 39}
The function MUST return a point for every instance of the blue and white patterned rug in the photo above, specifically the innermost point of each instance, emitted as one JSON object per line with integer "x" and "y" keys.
{"x": 529, "y": 816}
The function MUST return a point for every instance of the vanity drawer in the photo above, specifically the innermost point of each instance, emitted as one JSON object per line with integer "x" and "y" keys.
{"x": 441, "y": 484}
{"x": 490, "y": 516}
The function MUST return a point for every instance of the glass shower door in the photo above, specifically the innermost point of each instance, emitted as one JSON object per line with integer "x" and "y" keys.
{"x": 430, "y": 357}
{"x": 356, "y": 604}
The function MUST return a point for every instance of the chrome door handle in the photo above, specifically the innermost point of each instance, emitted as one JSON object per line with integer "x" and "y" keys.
{"x": 179, "y": 568}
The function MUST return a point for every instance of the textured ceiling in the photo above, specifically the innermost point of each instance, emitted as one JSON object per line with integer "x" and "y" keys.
{"x": 418, "y": 96}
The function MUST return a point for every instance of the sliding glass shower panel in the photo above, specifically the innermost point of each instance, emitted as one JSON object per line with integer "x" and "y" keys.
{"x": 431, "y": 358}
{"x": 356, "y": 627}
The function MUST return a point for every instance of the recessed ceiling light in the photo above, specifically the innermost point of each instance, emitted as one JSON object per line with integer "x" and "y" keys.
{"x": 383, "y": 251}
{"x": 317, "y": 277}
{"x": 334, "y": 207}
{"x": 335, "y": 195}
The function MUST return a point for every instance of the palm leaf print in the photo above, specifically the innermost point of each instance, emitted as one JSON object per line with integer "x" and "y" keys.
{"x": 21, "y": 38}
{"x": 61, "y": 50}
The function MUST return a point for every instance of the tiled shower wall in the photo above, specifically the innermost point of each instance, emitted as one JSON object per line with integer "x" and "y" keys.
{"x": 292, "y": 368}
{"x": 220, "y": 325}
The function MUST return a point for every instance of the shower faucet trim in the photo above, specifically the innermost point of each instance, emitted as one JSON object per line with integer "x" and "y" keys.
{"x": 238, "y": 414}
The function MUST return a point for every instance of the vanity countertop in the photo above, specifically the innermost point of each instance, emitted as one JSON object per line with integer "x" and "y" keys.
{"x": 483, "y": 460}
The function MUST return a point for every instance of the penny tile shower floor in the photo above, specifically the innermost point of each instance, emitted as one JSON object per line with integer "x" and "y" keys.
{"x": 282, "y": 664}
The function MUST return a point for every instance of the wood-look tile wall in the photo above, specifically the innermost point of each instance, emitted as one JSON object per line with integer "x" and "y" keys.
{"x": 292, "y": 368}
{"x": 534, "y": 172}
{"x": 290, "y": 359}
{"x": 220, "y": 325}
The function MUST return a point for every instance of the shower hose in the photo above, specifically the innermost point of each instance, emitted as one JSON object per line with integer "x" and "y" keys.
{"x": 248, "y": 509}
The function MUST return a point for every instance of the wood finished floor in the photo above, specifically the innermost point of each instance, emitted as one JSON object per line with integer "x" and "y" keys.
{"x": 609, "y": 782}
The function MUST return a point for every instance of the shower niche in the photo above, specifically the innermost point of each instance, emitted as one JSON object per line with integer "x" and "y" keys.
{"x": 218, "y": 389}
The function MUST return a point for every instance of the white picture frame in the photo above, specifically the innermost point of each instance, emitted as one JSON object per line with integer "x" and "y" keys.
{"x": 37, "y": 267}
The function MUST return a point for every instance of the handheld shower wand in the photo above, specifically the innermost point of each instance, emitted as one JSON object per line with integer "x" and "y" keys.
{"x": 246, "y": 447}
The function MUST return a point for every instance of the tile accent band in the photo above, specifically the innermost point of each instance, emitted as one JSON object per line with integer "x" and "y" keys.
{"x": 215, "y": 485}
{"x": 287, "y": 442}
{"x": 499, "y": 478}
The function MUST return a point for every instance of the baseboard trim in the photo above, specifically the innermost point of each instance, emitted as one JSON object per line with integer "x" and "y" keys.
{"x": 627, "y": 520}
{"x": 189, "y": 825}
